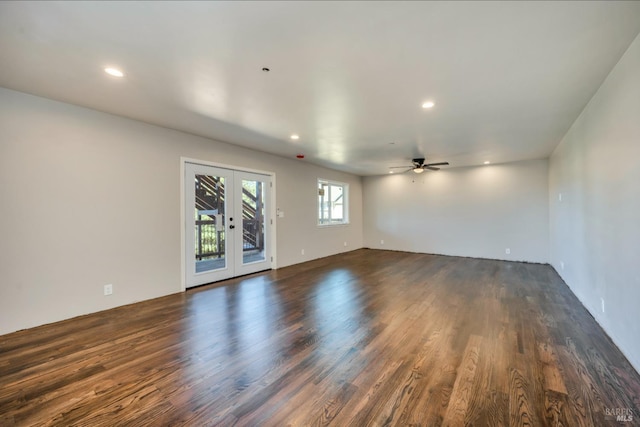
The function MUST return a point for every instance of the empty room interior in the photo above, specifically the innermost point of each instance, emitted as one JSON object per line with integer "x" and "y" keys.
{"x": 319, "y": 213}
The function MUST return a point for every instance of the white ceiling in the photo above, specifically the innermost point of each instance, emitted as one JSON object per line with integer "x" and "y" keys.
{"x": 508, "y": 78}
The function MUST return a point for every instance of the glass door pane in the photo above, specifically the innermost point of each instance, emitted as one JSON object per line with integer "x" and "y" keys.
{"x": 252, "y": 206}
{"x": 209, "y": 225}
{"x": 253, "y": 214}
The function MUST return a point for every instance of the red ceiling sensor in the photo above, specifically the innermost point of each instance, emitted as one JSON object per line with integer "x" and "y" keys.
{"x": 300, "y": 156}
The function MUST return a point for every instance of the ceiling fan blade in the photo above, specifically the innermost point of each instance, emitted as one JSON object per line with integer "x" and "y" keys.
{"x": 404, "y": 171}
{"x": 438, "y": 164}
{"x": 431, "y": 168}
{"x": 400, "y": 167}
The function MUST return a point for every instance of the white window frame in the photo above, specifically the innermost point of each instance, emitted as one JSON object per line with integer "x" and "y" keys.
{"x": 345, "y": 203}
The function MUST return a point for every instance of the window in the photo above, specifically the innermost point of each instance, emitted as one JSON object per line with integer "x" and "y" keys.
{"x": 333, "y": 206}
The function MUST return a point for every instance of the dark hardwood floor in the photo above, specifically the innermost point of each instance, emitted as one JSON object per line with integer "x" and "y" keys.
{"x": 363, "y": 338}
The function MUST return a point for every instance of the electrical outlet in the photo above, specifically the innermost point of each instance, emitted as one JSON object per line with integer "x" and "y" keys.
{"x": 602, "y": 302}
{"x": 507, "y": 251}
{"x": 345, "y": 244}
{"x": 302, "y": 252}
{"x": 562, "y": 265}
{"x": 108, "y": 289}
{"x": 559, "y": 197}
{"x": 381, "y": 242}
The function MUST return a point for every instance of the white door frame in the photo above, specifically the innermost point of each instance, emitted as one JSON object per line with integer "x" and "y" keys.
{"x": 271, "y": 207}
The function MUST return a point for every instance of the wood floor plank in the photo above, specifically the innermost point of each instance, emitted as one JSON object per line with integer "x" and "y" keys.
{"x": 550, "y": 367}
{"x": 462, "y": 392}
{"x": 521, "y": 402}
{"x": 366, "y": 338}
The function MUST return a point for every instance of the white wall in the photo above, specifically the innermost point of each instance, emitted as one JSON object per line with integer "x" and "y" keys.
{"x": 595, "y": 229}
{"x": 474, "y": 212}
{"x": 88, "y": 198}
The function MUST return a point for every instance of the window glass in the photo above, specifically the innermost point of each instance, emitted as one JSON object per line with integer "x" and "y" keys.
{"x": 332, "y": 203}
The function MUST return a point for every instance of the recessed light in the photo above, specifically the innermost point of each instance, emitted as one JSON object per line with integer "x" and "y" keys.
{"x": 487, "y": 162}
{"x": 428, "y": 104}
{"x": 114, "y": 72}
{"x": 390, "y": 171}
{"x": 294, "y": 136}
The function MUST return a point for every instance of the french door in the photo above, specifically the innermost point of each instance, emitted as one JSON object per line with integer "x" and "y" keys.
{"x": 227, "y": 218}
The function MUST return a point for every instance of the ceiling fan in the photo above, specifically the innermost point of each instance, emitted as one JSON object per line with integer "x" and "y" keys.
{"x": 419, "y": 166}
